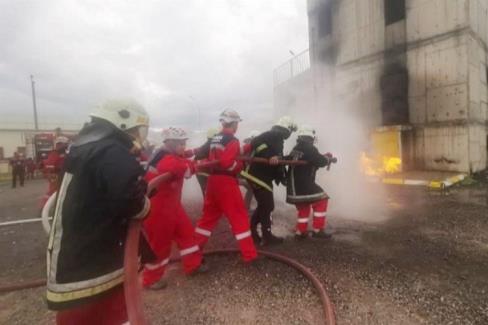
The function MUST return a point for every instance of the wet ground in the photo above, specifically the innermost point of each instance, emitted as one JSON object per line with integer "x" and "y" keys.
{"x": 425, "y": 263}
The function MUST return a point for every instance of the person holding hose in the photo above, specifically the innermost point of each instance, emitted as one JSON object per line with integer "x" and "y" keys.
{"x": 101, "y": 190}
{"x": 302, "y": 190}
{"x": 223, "y": 196}
{"x": 267, "y": 145}
{"x": 168, "y": 221}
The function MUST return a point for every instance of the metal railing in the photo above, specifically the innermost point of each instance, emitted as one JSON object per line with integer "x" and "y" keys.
{"x": 292, "y": 68}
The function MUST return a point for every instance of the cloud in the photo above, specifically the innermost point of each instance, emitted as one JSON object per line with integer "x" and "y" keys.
{"x": 177, "y": 57}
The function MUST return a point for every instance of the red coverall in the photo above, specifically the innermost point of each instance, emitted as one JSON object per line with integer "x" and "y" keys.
{"x": 168, "y": 220}
{"x": 53, "y": 165}
{"x": 319, "y": 215}
{"x": 223, "y": 196}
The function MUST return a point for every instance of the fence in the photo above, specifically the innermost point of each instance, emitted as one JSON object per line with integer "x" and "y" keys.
{"x": 291, "y": 68}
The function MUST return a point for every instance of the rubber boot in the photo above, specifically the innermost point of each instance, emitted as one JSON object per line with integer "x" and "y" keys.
{"x": 321, "y": 234}
{"x": 301, "y": 235}
{"x": 269, "y": 239}
{"x": 254, "y": 229}
{"x": 202, "y": 269}
{"x": 255, "y": 236}
{"x": 160, "y": 285}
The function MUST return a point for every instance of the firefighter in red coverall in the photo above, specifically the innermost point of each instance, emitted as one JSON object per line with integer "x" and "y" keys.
{"x": 223, "y": 196}
{"x": 53, "y": 166}
{"x": 168, "y": 221}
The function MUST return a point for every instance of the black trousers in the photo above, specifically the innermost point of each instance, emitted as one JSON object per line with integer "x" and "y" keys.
{"x": 20, "y": 174}
{"x": 262, "y": 214}
{"x": 202, "y": 180}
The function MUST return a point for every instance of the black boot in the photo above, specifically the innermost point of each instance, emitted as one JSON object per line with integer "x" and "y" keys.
{"x": 255, "y": 236}
{"x": 254, "y": 228}
{"x": 269, "y": 239}
{"x": 321, "y": 234}
{"x": 301, "y": 235}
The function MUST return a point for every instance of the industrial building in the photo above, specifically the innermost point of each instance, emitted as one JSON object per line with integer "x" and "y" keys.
{"x": 417, "y": 67}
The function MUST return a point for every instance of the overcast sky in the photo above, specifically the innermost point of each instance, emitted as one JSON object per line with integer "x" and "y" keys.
{"x": 174, "y": 56}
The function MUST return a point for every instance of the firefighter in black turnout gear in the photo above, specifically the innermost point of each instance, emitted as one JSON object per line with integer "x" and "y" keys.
{"x": 267, "y": 145}
{"x": 302, "y": 190}
{"x": 101, "y": 190}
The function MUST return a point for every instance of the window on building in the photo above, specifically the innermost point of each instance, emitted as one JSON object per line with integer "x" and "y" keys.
{"x": 325, "y": 18}
{"x": 1, "y": 154}
{"x": 394, "y": 11}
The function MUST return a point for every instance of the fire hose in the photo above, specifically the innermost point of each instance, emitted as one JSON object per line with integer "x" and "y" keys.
{"x": 132, "y": 286}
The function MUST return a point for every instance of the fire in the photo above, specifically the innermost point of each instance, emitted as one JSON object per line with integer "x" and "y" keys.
{"x": 379, "y": 166}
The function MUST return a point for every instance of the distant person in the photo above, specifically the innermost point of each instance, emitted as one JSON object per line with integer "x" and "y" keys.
{"x": 18, "y": 169}
{"x": 53, "y": 166}
{"x": 101, "y": 191}
{"x": 30, "y": 168}
{"x": 302, "y": 191}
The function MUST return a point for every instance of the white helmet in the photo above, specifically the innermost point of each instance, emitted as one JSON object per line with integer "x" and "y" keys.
{"x": 125, "y": 114}
{"x": 174, "y": 134}
{"x": 61, "y": 139}
{"x": 212, "y": 132}
{"x": 306, "y": 131}
{"x": 287, "y": 123}
{"x": 229, "y": 116}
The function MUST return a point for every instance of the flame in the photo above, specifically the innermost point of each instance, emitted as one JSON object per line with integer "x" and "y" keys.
{"x": 379, "y": 166}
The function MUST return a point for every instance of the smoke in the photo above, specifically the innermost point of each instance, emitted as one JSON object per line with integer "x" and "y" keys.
{"x": 343, "y": 129}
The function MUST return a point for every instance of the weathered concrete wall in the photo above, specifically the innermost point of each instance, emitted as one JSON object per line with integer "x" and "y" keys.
{"x": 430, "y": 18}
{"x": 443, "y": 45}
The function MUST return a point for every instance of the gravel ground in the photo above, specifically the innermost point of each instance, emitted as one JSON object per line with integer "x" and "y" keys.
{"x": 233, "y": 293}
{"x": 426, "y": 264}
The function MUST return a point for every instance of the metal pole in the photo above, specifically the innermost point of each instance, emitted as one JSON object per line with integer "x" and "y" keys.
{"x": 33, "y": 85}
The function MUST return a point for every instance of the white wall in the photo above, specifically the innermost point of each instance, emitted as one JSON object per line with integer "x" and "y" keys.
{"x": 10, "y": 140}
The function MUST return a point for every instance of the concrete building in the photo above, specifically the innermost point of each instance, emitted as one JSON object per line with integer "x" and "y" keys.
{"x": 420, "y": 64}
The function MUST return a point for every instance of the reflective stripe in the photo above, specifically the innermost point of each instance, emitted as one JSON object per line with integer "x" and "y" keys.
{"x": 308, "y": 197}
{"x": 234, "y": 165}
{"x": 319, "y": 214}
{"x": 190, "y": 250}
{"x": 256, "y": 180}
{"x": 217, "y": 146}
{"x": 203, "y": 232}
{"x": 261, "y": 147}
{"x": 302, "y": 220}
{"x": 152, "y": 267}
{"x": 203, "y": 174}
{"x": 88, "y": 292}
{"x": 243, "y": 235}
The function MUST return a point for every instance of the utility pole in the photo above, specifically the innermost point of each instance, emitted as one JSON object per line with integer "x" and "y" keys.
{"x": 33, "y": 85}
